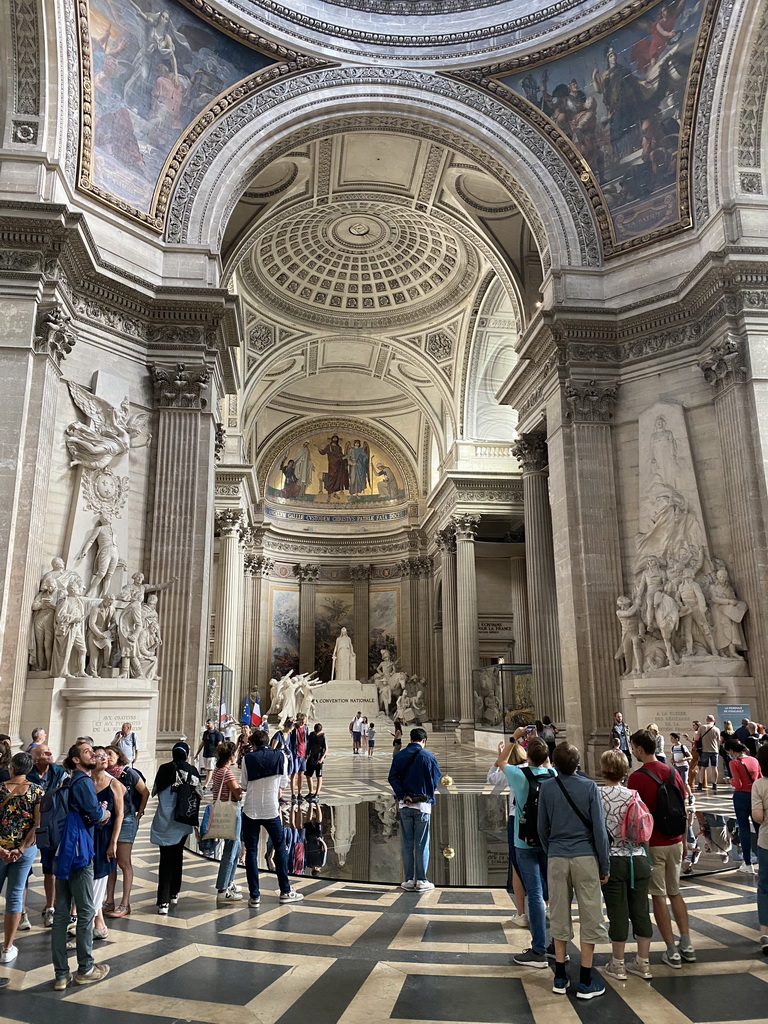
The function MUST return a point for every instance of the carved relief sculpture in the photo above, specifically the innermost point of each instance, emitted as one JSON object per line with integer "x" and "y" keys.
{"x": 631, "y": 647}
{"x": 43, "y": 608}
{"x": 113, "y": 432}
{"x": 107, "y": 556}
{"x": 727, "y": 613}
{"x": 101, "y": 634}
{"x": 69, "y": 648}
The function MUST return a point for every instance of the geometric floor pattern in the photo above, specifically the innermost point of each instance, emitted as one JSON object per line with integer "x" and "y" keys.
{"x": 355, "y": 953}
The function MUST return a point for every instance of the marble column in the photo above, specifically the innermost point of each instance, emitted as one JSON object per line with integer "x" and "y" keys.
{"x": 308, "y": 576}
{"x": 465, "y": 526}
{"x": 360, "y": 576}
{"x": 588, "y": 555}
{"x": 424, "y": 570}
{"x": 229, "y": 590}
{"x": 405, "y": 642}
{"x": 256, "y": 569}
{"x": 31, "y": 378}
{"x": 181, "y": 532}
{"x": 544, "y": 641}
{"x": 520, "y": 621}
{"x": 446, "y": 542}
{"x": 725, "y": 368}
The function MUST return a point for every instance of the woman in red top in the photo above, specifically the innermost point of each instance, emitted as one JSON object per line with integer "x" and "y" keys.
{"x": 225, "y": 788}
{"x": 745, "y": 770}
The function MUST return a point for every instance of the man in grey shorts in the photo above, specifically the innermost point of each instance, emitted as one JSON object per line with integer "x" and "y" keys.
{"x": 708, "y": 736}
{"x": 573, "y": 835}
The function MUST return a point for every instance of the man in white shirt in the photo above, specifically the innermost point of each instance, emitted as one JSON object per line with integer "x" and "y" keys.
{"x": 264, "y": 772}
{"x": 126, "y": 740}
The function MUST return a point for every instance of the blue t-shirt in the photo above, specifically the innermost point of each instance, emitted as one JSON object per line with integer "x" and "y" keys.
{"x": 519, "y": 786}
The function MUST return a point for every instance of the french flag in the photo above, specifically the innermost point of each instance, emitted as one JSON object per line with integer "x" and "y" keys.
{"x": 256, "y": 711}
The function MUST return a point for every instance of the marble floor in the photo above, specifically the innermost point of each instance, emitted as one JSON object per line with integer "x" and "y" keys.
{"x": 357, "y": 953}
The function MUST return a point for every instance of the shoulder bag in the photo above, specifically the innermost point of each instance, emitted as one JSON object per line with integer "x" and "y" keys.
{"x": 222, "y": 822}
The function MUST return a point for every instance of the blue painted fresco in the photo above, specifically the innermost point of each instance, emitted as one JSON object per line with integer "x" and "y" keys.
{"x": 155, "y": 67}
{"x": 620, "y": 101}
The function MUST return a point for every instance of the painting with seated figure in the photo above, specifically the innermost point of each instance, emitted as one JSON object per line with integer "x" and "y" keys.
{"x": 155, "y": 67}
{"x": 337, "y": 468}
{"x": 622, "y": 102}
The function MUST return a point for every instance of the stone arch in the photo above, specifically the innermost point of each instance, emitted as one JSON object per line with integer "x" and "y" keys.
{"x": 491, "y": 358}
{"x": 257, "y": 130}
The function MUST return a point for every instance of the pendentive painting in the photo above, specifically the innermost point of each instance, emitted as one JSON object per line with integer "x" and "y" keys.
{"x": 284, "y": 630}
{"x": 155, "y": 66}
{"x": 336, "y": 468}
{"x": 621, "y": 103}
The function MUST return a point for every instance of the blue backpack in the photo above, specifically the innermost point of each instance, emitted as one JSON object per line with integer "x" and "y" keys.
{"x": 54, "y": 808}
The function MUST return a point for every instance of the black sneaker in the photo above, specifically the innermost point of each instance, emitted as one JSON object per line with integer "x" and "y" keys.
{"x": 530, "y": 958}
{"x": 551, "y": 953}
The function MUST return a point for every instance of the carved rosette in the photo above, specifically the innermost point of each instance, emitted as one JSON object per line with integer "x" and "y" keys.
{"x": 54, "y": 336}
{"x": 306, "y": 573}
{"x": 530, "y": 450}
{"x": 465, "y": 526}
{"x": 360, "y": 573}
{"x": 230, "y": 521}
{"x": 724, "y": 365}
{"x": 590, "y": 402}
{"x": 180, "y": 386}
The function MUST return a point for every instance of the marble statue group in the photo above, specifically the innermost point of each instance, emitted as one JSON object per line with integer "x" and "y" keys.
{"x": 292, "y": 695}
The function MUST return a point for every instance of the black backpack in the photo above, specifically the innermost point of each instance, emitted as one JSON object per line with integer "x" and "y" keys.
{"x": 54, "y": 808}
{"x": 188, "y": 798}
{"x": 670, "y": 816}
{"x": 527, "y": 822}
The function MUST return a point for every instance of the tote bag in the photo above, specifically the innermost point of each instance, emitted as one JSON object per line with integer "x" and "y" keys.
{"x": 222, "y": 822}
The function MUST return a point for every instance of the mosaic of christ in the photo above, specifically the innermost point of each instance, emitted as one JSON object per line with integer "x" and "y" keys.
{"x": 331, "y": 468}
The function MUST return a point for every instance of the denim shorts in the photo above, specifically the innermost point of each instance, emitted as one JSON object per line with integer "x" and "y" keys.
{"x": 128, "y": 829}
{"x": 708, "y": 757}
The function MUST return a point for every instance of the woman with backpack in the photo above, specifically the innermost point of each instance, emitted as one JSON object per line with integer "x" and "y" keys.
{"x": 19, "y": 818}
{"x": 745, "y": 771}
{"x": 134, "y": 801}
{"x": 626, "y": 891}
{"x": 167, "y": 832}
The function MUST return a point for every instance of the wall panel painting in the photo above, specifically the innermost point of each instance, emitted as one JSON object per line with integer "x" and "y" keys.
{"x": 383, "y": 624}
{"x": 284, "y": 629}
{"x": 155, "y": 67}
{"x": 334, "y": 608}
{"x": 622, "y": 103}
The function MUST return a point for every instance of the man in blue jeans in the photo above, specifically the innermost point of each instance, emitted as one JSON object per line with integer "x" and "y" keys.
{"x": 531, "y": 858}
{"x": 75, "y": 884}
{"x": 264, "y": 771}
{"x": 413, "y": 777}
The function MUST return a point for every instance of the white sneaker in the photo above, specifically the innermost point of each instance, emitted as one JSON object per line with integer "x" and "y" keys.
{"x": 48, "y": 917}
{"x": 519, "y": 920}
{"x": 228, "y": 896}
{"x": 25, "y": 924}
{"x": 163, "y": 909}
{"x": 291, "y": 897}
{"x": 234, "y": 887}
{"x": 747, "y": 869}
{"x": 424, "y": 886}
{"x": 616, "y": 969}
{"x": 409, "y": 885}
{"x": 9, "y": 954}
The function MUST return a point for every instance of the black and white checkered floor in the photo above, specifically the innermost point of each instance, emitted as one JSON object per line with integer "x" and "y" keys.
{"x": 356, "y": 953}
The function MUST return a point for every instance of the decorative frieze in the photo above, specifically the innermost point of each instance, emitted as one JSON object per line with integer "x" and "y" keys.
{"x": 180, "y": 387}
{"x": 530, "y": 450}
{"x": 724, "y": 365}
{"x": 590, "y": 402}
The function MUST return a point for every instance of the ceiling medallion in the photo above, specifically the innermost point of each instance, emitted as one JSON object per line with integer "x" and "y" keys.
{"x": 359, "y": 229}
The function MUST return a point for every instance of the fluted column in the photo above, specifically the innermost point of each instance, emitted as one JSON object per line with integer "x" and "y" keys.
{"x": 466, "y": 601}
{"x": 307, "y": 575}
{"x": 588, "y": 555}
{"x": 229, "y": 589}
{"x": 31, "y": 376}
{"x": 531, "y": 452}
{"x": 725, "y": 369}
{"x": 446, "y": 542}
{"x": 361, "y": 576}
{"x": 181, "y": 540}
{"x": 520, "y": 622}
{"x": 405, "y": 642}
{"x": 256, "y": 568}
{"x": 424, "y": 624}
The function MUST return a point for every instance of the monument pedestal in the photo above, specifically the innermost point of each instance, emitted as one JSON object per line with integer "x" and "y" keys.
{"x": 71, "y": 706}
{"x": 337, "y": 702}
{"x": 675, "y": 695}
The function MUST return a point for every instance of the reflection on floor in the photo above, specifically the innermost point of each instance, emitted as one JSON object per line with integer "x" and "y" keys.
{"x": 354, "y": 953}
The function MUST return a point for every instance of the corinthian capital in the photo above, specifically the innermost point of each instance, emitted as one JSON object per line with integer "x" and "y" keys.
{"x": 180, "y": 386}
{"x": 359, "y": 573}
{"x": 230, "y": 521}
{"x": 306, "y": 573}
{"x": 465, "y": 526}
{"x": 723, "y": 365}
{"x": 530, "y": 450}
{"x": 446, "y": 540}
{"x": 591, "y": 402}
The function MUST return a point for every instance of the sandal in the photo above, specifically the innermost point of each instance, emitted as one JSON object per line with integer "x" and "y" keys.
{"x": 101, "y": 933}
{"x": 108, "y": 906}
{"x": 122, "y": 911}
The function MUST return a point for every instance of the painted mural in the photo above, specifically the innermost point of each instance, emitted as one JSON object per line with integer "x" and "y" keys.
{"x": 155, "y": 67}
{"x": 284, "y": 616}
{"x": 341, "y": 468}
{"x": 383, "y": 625}
{"x": 333, "y": 609}
{"x": 620, "y": 101}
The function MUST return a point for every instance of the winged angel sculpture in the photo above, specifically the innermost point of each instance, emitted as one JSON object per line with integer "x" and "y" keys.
{"x": 112, "y": 433}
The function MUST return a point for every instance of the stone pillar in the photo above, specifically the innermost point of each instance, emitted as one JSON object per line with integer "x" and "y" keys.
{"x": 587, "y": 554}
{"x": 405, "y": 642}
{"x": 307, "y": 575}
{"x": 466, "y": 608}
{"x": 360, "y": 576}
{"x": 725, "y": 369}
{"x": 520, "y": 620}
{"x": 31, "y": 370}
{"x": 181, "y": 541}
{"x": 256, "y": 568}
{"x": 446, "y": 542}
{"x": 424, "y": 623}
{"x": 544, "y": 640}
{"x": 229, "y": 590}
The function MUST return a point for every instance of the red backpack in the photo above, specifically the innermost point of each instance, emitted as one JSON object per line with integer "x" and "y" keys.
{"x": 637, "y": 823}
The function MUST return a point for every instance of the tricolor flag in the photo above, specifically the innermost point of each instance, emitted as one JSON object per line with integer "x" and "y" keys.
{"x": 223, "y": 716}
{"x": 256, "y": 711}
